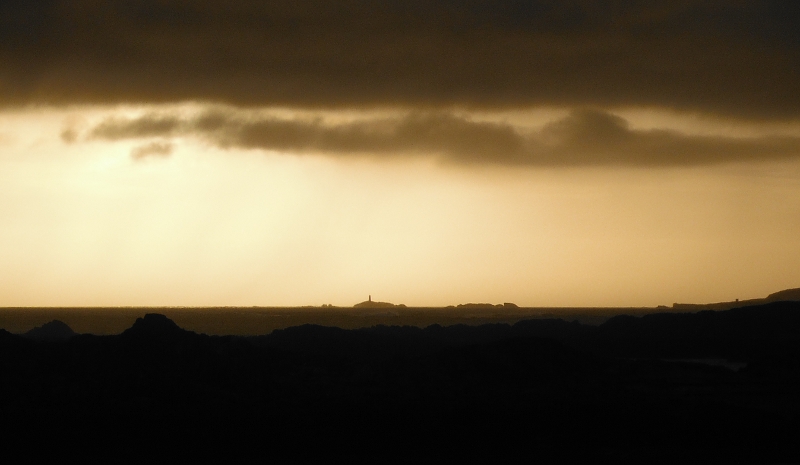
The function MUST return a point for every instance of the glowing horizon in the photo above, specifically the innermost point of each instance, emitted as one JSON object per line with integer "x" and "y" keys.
{"x": 87, "y": 222}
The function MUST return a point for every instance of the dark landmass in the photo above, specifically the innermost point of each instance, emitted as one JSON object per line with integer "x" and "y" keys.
{"x": 486, "y": 306}
{"x": 780, "y": 296}
{"x": 709, "y": 386}
{"x": 373, "y": 304}
{"x": 785, "y": 295}
{"x": 53, "y": 331}
{"x": 251, "y": 321}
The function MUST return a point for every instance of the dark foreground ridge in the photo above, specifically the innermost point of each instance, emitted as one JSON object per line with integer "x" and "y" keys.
{"x": 664, "y": 388}
{"x": 53, "y": 331}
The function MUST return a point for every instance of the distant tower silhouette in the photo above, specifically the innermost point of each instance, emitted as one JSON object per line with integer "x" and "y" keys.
{"x": 370, "y": 297}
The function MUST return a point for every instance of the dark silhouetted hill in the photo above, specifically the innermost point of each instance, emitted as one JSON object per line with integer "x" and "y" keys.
{"x": 652, "y": 389}
{"x": 785, "y": 295}
{"x": 53, "y": 331}
{"x": 154, "y": 325}
{"x": 6, "y": 337}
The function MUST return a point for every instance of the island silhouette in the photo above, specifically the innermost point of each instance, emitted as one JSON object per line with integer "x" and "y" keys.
{"x": 369, "y": 303}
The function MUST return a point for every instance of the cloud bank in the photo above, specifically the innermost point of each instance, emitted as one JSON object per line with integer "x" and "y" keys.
{"x": 583, "y": 138}
{"x": 739, "y": 58}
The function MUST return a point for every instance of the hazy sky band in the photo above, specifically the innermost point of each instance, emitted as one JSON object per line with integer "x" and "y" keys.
{"x": 738, "y": 59}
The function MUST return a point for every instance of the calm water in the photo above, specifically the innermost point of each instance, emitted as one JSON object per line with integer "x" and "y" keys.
{"x": 263, "y": 320}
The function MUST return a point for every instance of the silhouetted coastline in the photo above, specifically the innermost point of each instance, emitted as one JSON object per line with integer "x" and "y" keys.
{"x": 662, "y": 388}
{"x": 253, "y": 321}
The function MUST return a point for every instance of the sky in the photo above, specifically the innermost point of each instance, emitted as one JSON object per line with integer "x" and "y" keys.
{"x": 263, "y": 153}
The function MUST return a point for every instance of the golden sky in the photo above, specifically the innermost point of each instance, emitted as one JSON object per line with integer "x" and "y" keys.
{"x": 196, "y": 154}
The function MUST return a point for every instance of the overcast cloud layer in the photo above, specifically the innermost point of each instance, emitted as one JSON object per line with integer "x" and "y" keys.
{"x": 582, "y": 138}
{"x": 734, "y": 58}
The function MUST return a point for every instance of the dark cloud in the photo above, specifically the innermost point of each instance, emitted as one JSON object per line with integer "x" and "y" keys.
{"x": 153, "y": 149}
{"x": 149, "y": 125}
{"x": 584, "y": 138}
{"x": 69, "y": 135}
{"x": 73, "y": 126}
{"x": 739, "y": 58}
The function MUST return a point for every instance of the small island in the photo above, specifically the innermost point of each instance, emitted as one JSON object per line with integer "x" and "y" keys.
{"x": 369, "y": 303}
{"x": 484, "y": 306}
